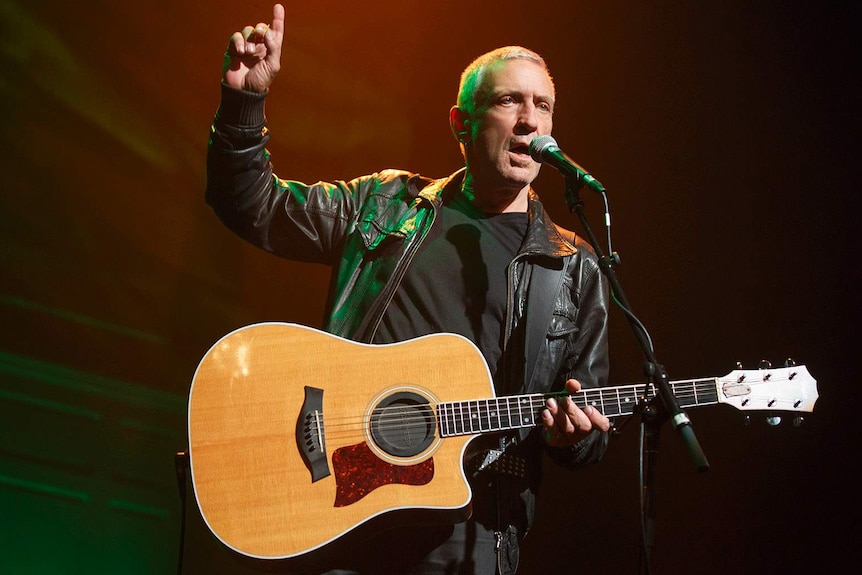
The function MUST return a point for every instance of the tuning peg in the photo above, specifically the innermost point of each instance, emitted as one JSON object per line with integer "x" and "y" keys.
{"x": 764, "y": 364}
{"x": 798, "y": 421}
{"x": 739, "y": 365}
{"x": 746, "y": 420}
{"x": 789, "y": 362}
{"x": 773, "y": 420}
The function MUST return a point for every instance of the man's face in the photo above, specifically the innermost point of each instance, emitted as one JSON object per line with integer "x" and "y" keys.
{"x": 514, "y": 104}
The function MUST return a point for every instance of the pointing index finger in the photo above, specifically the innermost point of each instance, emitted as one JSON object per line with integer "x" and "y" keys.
{"x": 278, "y": 21}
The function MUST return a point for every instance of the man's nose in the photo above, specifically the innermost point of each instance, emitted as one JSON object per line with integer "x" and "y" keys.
{"x": 528, "y": 119}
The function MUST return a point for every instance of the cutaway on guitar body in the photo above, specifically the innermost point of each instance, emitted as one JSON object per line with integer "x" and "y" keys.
{"x": 297, "y": 437}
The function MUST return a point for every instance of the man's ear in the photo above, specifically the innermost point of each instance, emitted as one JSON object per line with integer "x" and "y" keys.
{"x": 459, "y": 122}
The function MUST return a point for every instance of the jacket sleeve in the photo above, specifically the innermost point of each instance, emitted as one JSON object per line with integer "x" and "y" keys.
{"x": 588, "y": 360}
{"x": 287, "y": 218}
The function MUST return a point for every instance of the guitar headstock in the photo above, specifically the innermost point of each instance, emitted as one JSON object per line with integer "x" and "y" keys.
{"x": 779, "y": 389}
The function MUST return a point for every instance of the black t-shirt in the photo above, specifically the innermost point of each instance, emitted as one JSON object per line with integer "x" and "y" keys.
{"x": 457, "y": 282}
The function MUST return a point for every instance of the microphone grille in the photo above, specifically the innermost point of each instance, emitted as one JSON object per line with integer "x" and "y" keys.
{"x": 539, "y": 144}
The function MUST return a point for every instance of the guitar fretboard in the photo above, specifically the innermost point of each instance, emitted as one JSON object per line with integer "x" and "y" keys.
{"x": 512, "y": 412}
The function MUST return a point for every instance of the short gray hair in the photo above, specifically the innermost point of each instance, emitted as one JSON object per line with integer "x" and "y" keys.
{"x": 474, "y": 74}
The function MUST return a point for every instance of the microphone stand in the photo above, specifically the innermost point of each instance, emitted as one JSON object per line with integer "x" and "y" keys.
{"x": 655, "y": 410}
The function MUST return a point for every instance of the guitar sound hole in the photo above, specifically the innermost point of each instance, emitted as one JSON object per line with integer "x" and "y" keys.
{"x": 403, "y": 424}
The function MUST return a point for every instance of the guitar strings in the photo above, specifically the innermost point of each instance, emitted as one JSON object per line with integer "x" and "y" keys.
{"x": 464, "y": 419}
{"x": 478, "y": 416}
{"x": 489, "y": 408}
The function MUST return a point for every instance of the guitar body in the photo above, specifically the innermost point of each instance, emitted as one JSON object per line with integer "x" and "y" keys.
{"x": 291, "y": 442}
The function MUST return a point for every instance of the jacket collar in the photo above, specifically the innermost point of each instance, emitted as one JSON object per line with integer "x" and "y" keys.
{"x": 434, "y": 191}
{"x": 544, "y": 238}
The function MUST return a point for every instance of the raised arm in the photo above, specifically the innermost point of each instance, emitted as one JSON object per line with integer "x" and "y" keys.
{"x": 284, "y": 217}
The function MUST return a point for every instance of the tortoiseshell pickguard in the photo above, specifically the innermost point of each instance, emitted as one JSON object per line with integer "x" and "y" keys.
{"x": 358, "y": 472}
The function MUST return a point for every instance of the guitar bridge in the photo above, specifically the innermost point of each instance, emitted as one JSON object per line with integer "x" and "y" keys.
{"x": 309, "y": 434}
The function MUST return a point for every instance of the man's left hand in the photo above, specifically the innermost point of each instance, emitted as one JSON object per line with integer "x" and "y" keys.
{"x": 566, "y": 424}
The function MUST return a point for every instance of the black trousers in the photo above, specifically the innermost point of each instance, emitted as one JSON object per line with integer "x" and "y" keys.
{"x": 462, "y": 549}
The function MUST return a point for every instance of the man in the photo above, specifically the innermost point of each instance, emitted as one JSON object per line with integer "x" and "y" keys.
{"x": 474, "y": 254}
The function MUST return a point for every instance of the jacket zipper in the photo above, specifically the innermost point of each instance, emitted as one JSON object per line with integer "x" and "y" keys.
{"x": 510, "y": 299}
{"x": 395, "y": 281}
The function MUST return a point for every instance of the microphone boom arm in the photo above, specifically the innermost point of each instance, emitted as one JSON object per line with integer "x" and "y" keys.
{"x": 669, "y": 407}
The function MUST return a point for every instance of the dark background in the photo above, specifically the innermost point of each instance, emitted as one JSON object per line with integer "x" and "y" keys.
{"x": 725, "y": 134}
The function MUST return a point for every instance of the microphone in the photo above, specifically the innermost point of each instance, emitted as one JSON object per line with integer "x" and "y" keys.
{"x": 544, "y": 149}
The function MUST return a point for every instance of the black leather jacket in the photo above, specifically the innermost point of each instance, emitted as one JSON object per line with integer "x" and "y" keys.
{"x": 368, "y": 229}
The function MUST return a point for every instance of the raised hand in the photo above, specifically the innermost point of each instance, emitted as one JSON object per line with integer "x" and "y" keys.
{"x": 253, "y": 56}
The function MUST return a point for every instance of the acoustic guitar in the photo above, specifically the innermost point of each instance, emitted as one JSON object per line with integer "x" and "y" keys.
{"x": 298, "y": 437}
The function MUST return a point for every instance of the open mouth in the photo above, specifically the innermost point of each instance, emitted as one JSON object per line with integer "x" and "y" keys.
{"x": 522, "y": 149}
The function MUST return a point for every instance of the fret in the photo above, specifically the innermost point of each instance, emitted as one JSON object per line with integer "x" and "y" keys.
{"x": 618, "y": 408}
{"x": 525, "y": 412}
{"x": 453, "y": 424}
{"x": 506, "y": 415}
{"x": 459, "y": 419}
{"x": 598, "y": 400}
{"x": 537, "y": 405}
{"x": 708, "y": 391}
{"x": 590, "y": 398}
{"x": 520, "y": 415}
{"x": 516, "y": 421}
{"x": 713, "y": 390}
{"x": 682, "y": 391}
{"x": 464, "y": 411}
{"x": 512, "y": 408}
{"x": 514, "y": 412}
{"x": 485, "y": 423}
{"x": 519, "y": 421}
{"x": 471, "y": 416}
{"x": 696, "y": 392}
{"x": 628, "y": 399}
{"x": 494, "y": 415}
{"x": 443, "y": 420}
{"x": 464, "y": 416}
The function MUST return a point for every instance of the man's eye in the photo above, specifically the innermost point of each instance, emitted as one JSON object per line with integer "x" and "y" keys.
{"x": 507, "y": 100}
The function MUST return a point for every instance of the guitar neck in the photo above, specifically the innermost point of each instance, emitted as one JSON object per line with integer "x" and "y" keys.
{"x": 518, "y": 411}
